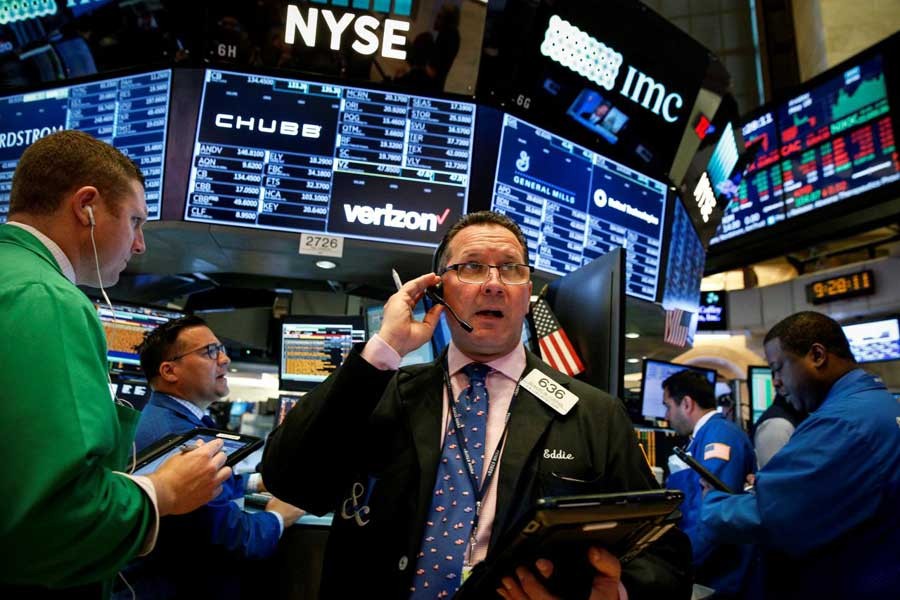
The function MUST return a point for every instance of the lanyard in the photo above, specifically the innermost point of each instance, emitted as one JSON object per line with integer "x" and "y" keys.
{"x": 479, "y": 491}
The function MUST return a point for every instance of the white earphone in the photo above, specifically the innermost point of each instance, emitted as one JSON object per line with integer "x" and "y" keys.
{"x": 90, "y": 212}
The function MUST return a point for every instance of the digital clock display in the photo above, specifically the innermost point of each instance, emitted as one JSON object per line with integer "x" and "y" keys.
{"x": 840, "y": 287}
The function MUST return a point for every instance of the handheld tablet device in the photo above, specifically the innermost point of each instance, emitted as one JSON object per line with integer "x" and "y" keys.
{"x": 562, "y": 529}
{"x": 702, "y": 471}
{"x": 236, "y": 447}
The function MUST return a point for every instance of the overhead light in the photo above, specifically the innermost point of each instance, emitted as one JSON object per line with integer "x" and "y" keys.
{"x": 632, "y": 335}
{"x": 233, "y": 370}
{"x": 326, "y": 264}
{"x": 632, "y": 360}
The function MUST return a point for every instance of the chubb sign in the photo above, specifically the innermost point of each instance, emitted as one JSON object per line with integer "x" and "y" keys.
{"x": 597, "y": 62}
{"x": 306, "y": 21}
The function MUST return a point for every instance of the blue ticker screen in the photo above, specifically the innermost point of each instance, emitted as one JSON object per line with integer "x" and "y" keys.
{"x": 575, "y": 205}
{"x": 131, "y": 113}
{"x": 685, "y": 263}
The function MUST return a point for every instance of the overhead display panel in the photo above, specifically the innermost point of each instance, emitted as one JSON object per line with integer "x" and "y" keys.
{"x": 827, "y": 166}
{"x": 131, "y": 113}
{"x": 296, "y": 155}
{"x": 574, "y": 205}
{"x": 685, "y": 261}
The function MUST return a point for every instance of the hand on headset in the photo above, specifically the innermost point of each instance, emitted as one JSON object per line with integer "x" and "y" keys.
{"x": 398, "y": 328}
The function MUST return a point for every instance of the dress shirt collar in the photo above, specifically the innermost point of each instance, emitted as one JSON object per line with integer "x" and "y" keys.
{"x": 195, "y": 410}
{"x": 702, "y": 422}
{"x": 61, "y": 259}
{"x": 511, "y": 365}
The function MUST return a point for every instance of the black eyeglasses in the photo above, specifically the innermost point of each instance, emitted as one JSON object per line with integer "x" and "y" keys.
{"x": 477, "y": 273}
{"x": 212, "y": 351}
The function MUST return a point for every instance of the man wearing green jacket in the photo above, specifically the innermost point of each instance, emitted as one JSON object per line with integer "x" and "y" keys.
{"x": 70, "y": 515}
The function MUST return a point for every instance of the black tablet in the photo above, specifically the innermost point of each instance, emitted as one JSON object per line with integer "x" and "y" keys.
{"x": 702, "y": 471}
{"x": 236, "y": 447}
{"x": 562, "y": 529}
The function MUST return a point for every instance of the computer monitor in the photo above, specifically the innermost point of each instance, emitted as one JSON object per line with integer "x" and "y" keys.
{"x": 655, "y": 372}
{"x": 762, "y": 390}
{"x": 313, "y": 347}
{"x": 126, "y": 325}
{"x": 589, "y": 304}
{"x": 422, "y": 354}
{"x": 285, "y": 403}
{"x": 874, "y": 340}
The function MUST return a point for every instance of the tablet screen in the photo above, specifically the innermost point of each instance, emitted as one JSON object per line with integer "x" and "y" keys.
{"x": 229, "y": 447}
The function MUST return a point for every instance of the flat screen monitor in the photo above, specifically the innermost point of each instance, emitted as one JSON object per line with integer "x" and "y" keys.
{"x": 685, "y": 262}
{"x": 875, "y": 340}
{"x": 575, "y": 205}
{"x": 130, "y": 112}
{"x": 313, "y": 347}
{"x": 655, "y": 372}
{"x": 590, "y": 306}
{"x": 295, "y": 155}
{"x": 126, "y": 325}
{"x": 762, "y": 391}
{"x": 422, "y": 354}
{"x": 285, "y": 403}
{"x": 833, "y": 140}
{"x": 598, "y": 114}
{"x": 131, "y": 388}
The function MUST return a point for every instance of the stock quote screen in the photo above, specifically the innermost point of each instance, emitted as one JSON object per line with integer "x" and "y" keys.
{"x": 312, "y": 350}
{"x": 685, "y": 262}
{"x": 131, "y": 113}
{"x": 831, "y": 143}
{"x": 574, "y": 205}
{"x": 294, "y": 155}
{"x": 126, "y": 325}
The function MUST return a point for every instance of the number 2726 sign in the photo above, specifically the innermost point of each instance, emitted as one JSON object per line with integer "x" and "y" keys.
{"x": 321, "y": 245}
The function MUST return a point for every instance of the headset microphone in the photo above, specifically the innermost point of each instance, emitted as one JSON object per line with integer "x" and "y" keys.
{"x": 434, "y": 292}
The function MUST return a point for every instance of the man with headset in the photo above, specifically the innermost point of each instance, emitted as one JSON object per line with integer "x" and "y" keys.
{"x": 69, "y": 517}
{"x": 425, "y": 467}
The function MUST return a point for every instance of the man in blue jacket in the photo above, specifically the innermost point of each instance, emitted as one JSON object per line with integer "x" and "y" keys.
{"x": 724, "y": 449}
{"x": 186, "y": 366}
{"x": 826, "y": 505}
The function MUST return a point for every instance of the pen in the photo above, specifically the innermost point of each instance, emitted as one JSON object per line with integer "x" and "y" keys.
{"x": 187, "y": 447}
{"x": 397, "y": 281}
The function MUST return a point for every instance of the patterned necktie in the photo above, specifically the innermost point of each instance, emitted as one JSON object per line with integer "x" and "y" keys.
{"x": 449, "y": 525}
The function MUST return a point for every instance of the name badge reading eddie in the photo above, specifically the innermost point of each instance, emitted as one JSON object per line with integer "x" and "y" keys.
{"x": 550, "y": 393}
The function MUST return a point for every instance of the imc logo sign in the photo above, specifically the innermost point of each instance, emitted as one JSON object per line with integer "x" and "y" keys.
{"x": 372, "y": 34}
{"x": 597, "y": 62}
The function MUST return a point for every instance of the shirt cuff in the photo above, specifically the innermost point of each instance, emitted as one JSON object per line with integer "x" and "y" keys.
{"x": 381, "y": 355}
{"x": 252, "y": 482}
{"x": 147, "y": 485}
{"x": 280, "y": 521}
{"x": 623, "y": 593}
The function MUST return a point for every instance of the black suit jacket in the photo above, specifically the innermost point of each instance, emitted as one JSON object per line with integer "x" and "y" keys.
{"x": 365, "y": 444}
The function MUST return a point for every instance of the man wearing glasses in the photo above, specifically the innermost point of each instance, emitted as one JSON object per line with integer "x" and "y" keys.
{"x": 426, "y": 467}
{"x": 186, "y": 365}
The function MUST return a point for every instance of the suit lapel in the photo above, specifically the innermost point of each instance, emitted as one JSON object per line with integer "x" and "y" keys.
{"x": 169, "y": 403}
{"x": 529, "y": 420}
{"x": 423, "y": 404}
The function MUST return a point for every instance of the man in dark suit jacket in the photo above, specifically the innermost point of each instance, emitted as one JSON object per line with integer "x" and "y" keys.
{"x": 198, "y": 553}
{"x": 374, "y": 441}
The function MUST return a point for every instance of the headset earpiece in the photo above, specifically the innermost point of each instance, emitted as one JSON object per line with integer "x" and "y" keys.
{"x": 90, "y": 213}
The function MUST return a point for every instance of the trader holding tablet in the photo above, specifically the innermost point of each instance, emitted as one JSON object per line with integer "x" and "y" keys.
{"x": 70, "y": 518}
{"x": 426, "y": 467}
{"x": 186, "y": 365}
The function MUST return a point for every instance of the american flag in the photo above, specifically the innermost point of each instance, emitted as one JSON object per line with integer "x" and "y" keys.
{"x": 678, "y": 326}
{"x": 556, "y": 349}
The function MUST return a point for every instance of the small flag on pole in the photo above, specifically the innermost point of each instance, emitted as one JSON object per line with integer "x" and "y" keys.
{"x": 678, "y": 326}
{"x": 556, "y": 349}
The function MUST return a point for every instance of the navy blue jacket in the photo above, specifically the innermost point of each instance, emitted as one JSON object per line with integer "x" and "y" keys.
{"x": 827, "y": 506}
{"x": 207, "y": 539}
{"x": 718, "y": 565}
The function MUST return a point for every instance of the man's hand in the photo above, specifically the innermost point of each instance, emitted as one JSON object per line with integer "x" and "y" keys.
{"x": 398, "y": 328}
{"x": 189, "y": 480}
{"x": 604, "y": 587}
{"x": 289, "y": 513}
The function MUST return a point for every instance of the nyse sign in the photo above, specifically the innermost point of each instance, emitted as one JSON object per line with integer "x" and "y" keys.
{"x": 364, "y": 27}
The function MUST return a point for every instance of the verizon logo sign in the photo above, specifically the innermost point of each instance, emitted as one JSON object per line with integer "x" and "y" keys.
{"x": 388, "y": 216}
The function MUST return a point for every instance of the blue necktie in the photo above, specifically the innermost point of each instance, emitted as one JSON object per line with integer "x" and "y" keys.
{"x": 449, "y": 525}
{"x": 207, "y": 421}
